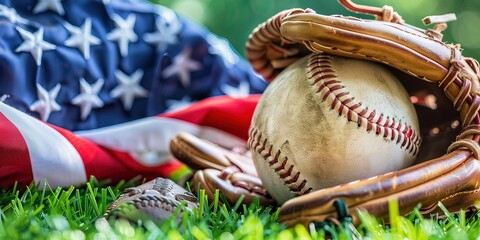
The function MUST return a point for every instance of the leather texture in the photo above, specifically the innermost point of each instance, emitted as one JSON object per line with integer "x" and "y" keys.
{"x": 325, "y": 120}
{"x": 443, "y": 85}
{"x": 428, "y": 68}
{"x": 155, "y": 200}
{"x": 232, "y": 173}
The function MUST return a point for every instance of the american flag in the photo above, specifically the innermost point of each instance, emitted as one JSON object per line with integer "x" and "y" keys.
{"x": 99, "y": 87}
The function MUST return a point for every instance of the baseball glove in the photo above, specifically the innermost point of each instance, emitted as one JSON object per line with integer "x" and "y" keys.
{"x": 231, "y": 172}
{"x": 433, "y": 72}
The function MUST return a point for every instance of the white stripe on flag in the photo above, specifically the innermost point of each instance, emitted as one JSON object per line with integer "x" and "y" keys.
{"x": 148, "y": 139}
{"x": 53, "y": 157}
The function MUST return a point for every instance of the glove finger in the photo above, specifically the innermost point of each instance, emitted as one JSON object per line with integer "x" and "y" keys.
{"x": 198, "y": 153}
{"x": 232, "y": 187}
{"x": 460, "y": 186}
{"x": 401, "y": 46}
{"x": 201, "y": 154}
{"x": 425, "y": 183}
{"x": 198, "y": 182}
{"x": 246, "y": 178}
{"x": 395, "y": 44}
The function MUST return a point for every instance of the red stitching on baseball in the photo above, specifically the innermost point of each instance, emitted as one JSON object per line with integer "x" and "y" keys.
{"x": 287, "y": 172}
{"x": 452, "y": 76}
{"x": 332, "y": 92}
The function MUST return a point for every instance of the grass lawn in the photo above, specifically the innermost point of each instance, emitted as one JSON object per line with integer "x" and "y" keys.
{"x": 76, "y": 213}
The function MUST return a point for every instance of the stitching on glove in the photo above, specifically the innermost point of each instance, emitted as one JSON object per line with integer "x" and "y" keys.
{"x": 464, "y": 99}
{"x": 287, "y": 172}
{"x": 323, "y": 78}
{"x": 267, "y": 36}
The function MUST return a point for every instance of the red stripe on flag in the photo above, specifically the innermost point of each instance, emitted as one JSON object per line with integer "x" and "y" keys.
{"x": 14, "y": 157}
{"x": 232, "y": 115}
{"x": 104, "y": 163}
{"x": 97, "y": 161}
{"x": 147, "y": 172}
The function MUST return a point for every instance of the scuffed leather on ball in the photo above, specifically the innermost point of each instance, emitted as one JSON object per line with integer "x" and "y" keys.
{"x": 156, "y": 200}
{"x": 429, "y": 69}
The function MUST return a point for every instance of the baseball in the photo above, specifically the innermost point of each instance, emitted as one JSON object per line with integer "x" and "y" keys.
{"x": 155, "y": 200}
{"x": 327, "y": 120}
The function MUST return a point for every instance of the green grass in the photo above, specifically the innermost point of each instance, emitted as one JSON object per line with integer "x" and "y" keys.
{"x": 76, "y": 213}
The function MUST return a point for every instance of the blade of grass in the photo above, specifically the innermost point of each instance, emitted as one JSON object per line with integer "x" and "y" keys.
{"x": 92, "y": 197}
{"x": 215, "y": 200}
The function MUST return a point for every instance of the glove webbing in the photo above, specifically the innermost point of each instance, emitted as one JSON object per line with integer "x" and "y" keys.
{"x": 470, "y": 135}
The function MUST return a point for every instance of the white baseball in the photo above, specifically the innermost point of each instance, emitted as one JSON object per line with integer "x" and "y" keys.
{"x": 328, "y": 120}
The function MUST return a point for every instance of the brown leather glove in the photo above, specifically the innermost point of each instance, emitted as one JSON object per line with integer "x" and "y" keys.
{"x": 218, "y": 168}
{"x": 429, "y": 69}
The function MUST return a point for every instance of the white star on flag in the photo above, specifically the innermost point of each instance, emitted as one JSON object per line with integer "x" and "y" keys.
{"x": 82, "y": 38}
{"x": 174, "y": 104}
{"x": 46, "y": 103}
{"x": 123, "y": 33}
{"x": 11, "y": 15}
{"x": 44, "y": 5}
{"x": 165, "y": 34}
{"x": 242, "y": 91}
{"x": 4, "y": 97}
{"x": 181, "y": 66}
{"x": 88, "y": 97}
{"x": 128, "y": 88}
{"x": 34, "y": 44}
{"x": 223, "y": 49}
{"x": 168, "y": 14}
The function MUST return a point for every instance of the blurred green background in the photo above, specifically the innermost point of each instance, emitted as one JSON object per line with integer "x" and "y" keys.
{"x": 235, "y": 19}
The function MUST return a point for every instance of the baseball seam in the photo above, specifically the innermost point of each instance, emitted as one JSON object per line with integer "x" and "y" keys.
{"x": 163, "y": 203}
{"x": 280, "y": 164}
{"x": 321, "y": 73}
{"x": 144, "y": 201}
{"x": 324, "y": 80}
